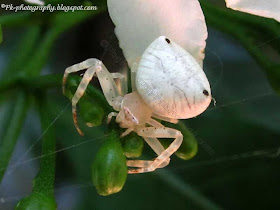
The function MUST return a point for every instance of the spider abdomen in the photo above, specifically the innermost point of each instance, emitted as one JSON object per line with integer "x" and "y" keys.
{"x": 171, "y": 82}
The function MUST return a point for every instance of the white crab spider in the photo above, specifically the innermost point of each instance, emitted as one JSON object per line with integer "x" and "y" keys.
{"x": 168, "y": 85}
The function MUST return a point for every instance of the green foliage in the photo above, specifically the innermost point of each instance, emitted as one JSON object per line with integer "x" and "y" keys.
{"x": 42, "y": 196}
{"x": 109, "y": 170}
{"x": 44, "y": 181}
{"x": 273, "y": 76}
{"x": 1, "y": 34}
{"x": 36, "y": 201}
{"x": 132, "y": 145}
{"x": 15, "y": 118}
{"x": 18, "y": 19}
{"x": 25, "y": 47}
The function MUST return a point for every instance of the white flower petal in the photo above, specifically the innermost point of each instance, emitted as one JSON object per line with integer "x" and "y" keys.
{"x": 139, "y": 22}
{"x": 38, "y": 2}
{"x": 265, "y": 8}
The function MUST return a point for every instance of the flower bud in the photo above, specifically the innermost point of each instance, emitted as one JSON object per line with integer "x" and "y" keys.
{"x": 132, "y": 145}
{"x": 91, "y": 112}
{"x": 109, "y": 170}
{"x": 70, "y": 87}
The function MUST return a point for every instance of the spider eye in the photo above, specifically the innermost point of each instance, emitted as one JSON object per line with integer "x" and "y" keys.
{"x": 205, "y": 92}
{"x": 167, "y": 40}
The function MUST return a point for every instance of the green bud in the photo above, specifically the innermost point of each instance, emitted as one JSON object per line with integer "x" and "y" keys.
{"x": 71, "y": 86}
{"x": 189, "y": 146}
{"x": 132, "y": 145}
{"x": 91, "y": 112}
{"x": 37, "y": 201}
{"x": 109, "y": 170}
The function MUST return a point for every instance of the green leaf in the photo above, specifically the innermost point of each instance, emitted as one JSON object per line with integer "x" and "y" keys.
{"x": 274, "y": 78}
{"x": 25, "y": 48}
{"x": 14, "y": 123}
{"x": 109, "y": 170}
{"x": 14, "y": 70}
{"x": 16, "y": 19}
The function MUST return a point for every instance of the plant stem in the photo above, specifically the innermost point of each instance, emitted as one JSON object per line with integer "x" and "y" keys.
{"x": 44, "y": 181}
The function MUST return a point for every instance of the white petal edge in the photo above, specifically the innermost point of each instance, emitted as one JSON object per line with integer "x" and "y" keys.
{"x": 265, "y": 8}
{"x": 38, "y": 2}
{"x": 139, "y": 22}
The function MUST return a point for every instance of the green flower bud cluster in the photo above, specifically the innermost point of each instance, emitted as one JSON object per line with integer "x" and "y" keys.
{"x": 109, "y": 169}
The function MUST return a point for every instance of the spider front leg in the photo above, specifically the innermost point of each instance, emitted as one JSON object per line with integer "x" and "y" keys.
{"x": 155, "y": 145}
{"x": 164, "y": 156}
{"x": 123, "y": 88}
{"x": 105, "y": 78}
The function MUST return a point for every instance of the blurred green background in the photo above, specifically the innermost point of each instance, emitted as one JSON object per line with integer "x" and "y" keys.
{"x": 237, "y": 164}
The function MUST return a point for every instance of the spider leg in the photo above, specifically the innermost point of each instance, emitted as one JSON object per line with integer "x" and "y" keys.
{"x": 157, "y": 147}
{"x": 163, "y": 156}
{"x": 110, "y": 115}
{"x": 167, "y": 119}
{"x": 143, "y": 163}
{"x": 155, "y": 123}
{"x": 105, "y": 78}
{"x": 133, "y": 76}
{"x": 123, "y": 83}
{"x": 77, "y": 67}
{"x": 127, "y": 131}
{"x": 80, "y": 92}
